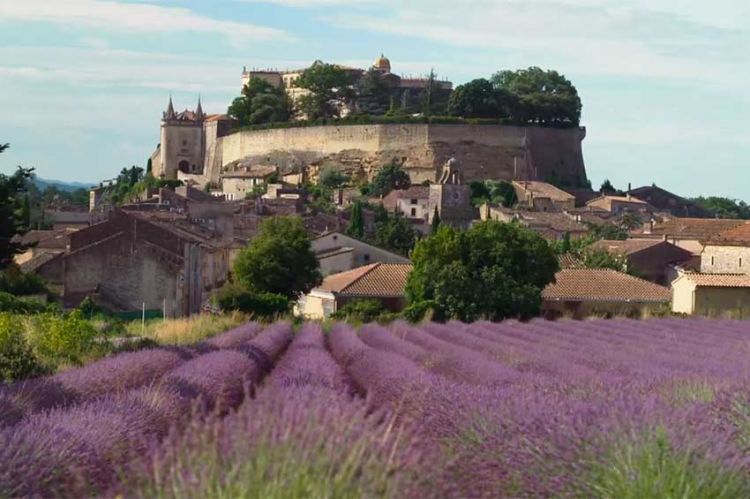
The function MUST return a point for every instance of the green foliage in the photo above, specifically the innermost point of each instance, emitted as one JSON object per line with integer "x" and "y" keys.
{"x": 332, "y": 178}
{"x": 594, "y": 258}
{"x": 261, "y": 103}
{"x": 14, "y": 304}
{"x": 493, "y": 270}
{"x": 14, "y": 218}
{"x": 479, "y": 99}
{"x": 62, "y": 339}
{"x": 357, "y": 223}
{"x": 394, "y": 233}
{"x": 537, "y": 96}
{"x": 17, "y": 360}
{"x": 279, "y": 260}
{"x": 607, "y": 188}
{"x": 330, "y": 90}
{"x": 498, "y": 192}
{"x": 650, "y": 466}
{"x": 724, "y": 207}
{"x": 390, "y": 177}
{"x": 15, "y": 282}
{"x": 233, "y": 296}
{"x": 364, "y": 310}
{"x": 609, "y": 230}
{"x": 374, "y": 94}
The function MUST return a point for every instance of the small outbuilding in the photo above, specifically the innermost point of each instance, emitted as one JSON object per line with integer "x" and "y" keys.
{"x": 712, "y": 295}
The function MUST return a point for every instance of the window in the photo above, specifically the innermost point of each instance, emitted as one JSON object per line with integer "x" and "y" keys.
{"x": 712, "y": 261}
{"x": 740, "y": 261}
{"x": 184, "y": 142}
{"x": 414, "y": 201}
{"x": 367, "y": 257}
{"x": 414, "y": 212}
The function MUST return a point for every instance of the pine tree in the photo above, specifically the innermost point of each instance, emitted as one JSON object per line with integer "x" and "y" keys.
{"x": 357, "y": 223}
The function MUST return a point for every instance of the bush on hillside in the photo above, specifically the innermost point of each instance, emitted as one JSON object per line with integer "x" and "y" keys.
{"x": 15, "y": 282}
{"x": 14, "y": 304}
{"x": 17, "y": 360}
{"x": 58, "y": 340}
{"x": 365, "y": 310}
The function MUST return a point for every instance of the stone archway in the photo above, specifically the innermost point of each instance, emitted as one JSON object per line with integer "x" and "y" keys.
{"x": 184, "y": 166}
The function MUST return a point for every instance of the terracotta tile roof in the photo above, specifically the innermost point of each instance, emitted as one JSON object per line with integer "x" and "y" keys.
{"x": 38, "y": 261}
{"x": 626, "y": 247}
{"x": 603, "y": 285}
{"x": 413, "y": 192}
{"x": 377, "y": 279}
{"x": 622, "y": 199}
{"x": 719, "y": 280}
{"x": 544, "y": 190}
{"x": 693, "y": 228}
{"x": 559, "y": 222}
{"x": 736, "y": 236}
{"x": 47, "y": 239}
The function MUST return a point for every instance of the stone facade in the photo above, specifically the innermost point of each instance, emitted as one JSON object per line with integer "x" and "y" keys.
{"x": 717, "y": 259}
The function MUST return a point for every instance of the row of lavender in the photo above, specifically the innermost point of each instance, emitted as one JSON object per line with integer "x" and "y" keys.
{"x": 610, "y": 408}
{"x": 73, "y": 434}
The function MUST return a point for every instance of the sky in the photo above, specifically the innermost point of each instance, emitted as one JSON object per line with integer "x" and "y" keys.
{"x": 663, "y": 82}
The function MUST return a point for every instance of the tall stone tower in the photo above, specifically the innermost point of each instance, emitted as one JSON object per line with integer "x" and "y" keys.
{"x": 183, "y": 143}
{"x": 451, "y": 198}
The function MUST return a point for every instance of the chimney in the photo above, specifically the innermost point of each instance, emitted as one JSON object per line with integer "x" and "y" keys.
{"x": 628, "y": 194}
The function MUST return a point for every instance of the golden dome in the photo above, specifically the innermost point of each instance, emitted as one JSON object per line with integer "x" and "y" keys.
{"x": 383, "y": 64}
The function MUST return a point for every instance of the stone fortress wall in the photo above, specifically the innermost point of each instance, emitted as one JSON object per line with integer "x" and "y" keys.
{"x": 483, "y": 151}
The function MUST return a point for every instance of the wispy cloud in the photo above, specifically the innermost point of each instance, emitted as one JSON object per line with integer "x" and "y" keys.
{"x": 116, "y": 16}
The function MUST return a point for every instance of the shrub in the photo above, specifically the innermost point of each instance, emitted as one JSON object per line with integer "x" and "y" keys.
{"x": 366, "y": 310}
{"x": 62, "y": 339}
{"x": 13, "y": 281}
{"x": 11, "y": 303}
{"x": 17, "y": 360}
{"x": 266, "y": 305}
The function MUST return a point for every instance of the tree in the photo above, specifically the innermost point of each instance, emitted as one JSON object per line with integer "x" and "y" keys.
{"x": 13, "y": 217}
{"x": 497, "y": 192}
{"x": 395, "y": 233}
{"x": 279, "y": 260}
{"x": 537, "y": 96}
{"x": 478, "y": 99}
{"x": 435, "y": 222}
{"x": 722, "y": 207}
{"x": 357, "y": 223}
{"x": 330, "y": 90}
{"x": 494, "y": 270}
{"x": 374, "y": 94}
{"x": 261, "y": 102}
{"x": 332, "y": 178}
{"x": 596, "y": 258}
{"x": 390, "y": 177}
{"x": 607, "y": 188}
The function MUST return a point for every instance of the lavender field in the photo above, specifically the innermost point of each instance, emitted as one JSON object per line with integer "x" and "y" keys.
{"x": 615, "y": 409}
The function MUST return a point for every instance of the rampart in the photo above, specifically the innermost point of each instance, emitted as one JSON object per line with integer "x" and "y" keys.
{"x": 483, "y": 151}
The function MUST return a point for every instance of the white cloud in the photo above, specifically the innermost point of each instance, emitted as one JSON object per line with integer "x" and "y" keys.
{"x": 128, "y": 17}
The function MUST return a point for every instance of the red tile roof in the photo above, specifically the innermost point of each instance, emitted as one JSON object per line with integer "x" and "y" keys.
{"x": 603, "y": 285}
{"x": 377, "y": 279}
{"x": 735, "y": 236}
{"x": 692, "y": 228}
{"x": 719, "y": 280}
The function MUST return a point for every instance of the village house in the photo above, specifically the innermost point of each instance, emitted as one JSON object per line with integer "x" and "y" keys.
{"x": 687, "y": 233}
{"x": 384, "y": 282}
{"x": 413, "y": 203}
{"x": 541, "y": 196}
{"x": 651, "y": 259}
{"x": 579, "y": 293}
{"x": 728, "y": 252}
{"x": 157, "y": 260}
{"x": 238, "y": 184}
{"x": 619, "y": 204}
{"x": 337, "y": 252}
{"x": 712, "y": 295}
{"x": 550, "y": 225}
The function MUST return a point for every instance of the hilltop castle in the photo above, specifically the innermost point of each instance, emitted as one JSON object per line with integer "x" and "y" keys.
{"x": 204, "y": 149}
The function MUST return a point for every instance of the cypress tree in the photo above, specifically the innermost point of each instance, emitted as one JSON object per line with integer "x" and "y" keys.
{"x": 435, "y": 221}
{"x": 357, "y": 223}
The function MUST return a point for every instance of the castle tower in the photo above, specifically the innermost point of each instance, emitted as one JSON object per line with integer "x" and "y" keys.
{"x": 182, "y": 147}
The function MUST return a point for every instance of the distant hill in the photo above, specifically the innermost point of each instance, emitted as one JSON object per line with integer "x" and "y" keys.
{"x": 42, "y": 184}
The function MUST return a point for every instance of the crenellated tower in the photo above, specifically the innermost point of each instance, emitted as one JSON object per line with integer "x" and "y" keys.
{"x": 183, "y": 143}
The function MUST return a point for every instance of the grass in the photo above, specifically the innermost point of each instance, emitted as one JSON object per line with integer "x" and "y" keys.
{"x": 650, "y": 467}
{"x": 186, "y": 330}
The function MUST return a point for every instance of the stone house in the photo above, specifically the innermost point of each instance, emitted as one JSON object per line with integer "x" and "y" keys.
{"x": 541, "y": 196}
{"x": 158, "y": 260}
{"x": 619, "y": 204}
{"x": 413, "y": 203}
{"x": 550, "y": 225}
{"x": 651, "y": 259}
{"x": 236, "y": 185}
{"x": 338, "y": 252}
{"x": 687, "y": 233}
{"x": 580, "y": 293}
{"x": 712, "y": 295}
{"x": 728, "y": 252}
{"x": 384, "y": 282}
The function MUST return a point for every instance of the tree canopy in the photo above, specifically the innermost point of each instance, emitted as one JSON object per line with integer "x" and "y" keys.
{"x": 541, "y": 97}
{"x": 279, "y": 260}
{"x": 724, "y": 207}
{"x": 14, "y": 210}
{"x": 493, "y": 191}
{"x": 261, "y": 102}
{"x": 330, "y": 89}
{"x": 394, "y": 232}
{"x": 493, "y": 270}
{"x": 478, "y": 99}
{"x": 390, "y": 177}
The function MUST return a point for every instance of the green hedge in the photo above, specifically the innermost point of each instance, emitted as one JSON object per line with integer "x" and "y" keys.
{"x": 387, "y": 120}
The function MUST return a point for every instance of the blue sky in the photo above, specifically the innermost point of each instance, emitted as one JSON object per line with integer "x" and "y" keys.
{"x": 663, "y": 82}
